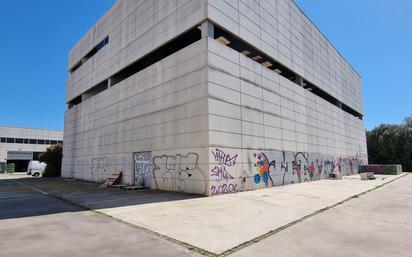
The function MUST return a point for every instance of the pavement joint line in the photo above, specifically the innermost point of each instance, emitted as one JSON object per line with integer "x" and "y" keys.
{"x": 231, "y": 250}
{"x": 126, "y": 198}
{"x": 279, "y": 229}
{"x": 32, "y": 188}
{"x": 170, "y": 239}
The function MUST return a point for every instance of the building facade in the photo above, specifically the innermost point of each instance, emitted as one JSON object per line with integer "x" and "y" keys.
{"x": 21, "y": 145}
{"x": 210, "y": 97}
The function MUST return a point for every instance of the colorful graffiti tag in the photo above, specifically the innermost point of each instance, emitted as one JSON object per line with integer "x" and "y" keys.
{"x": 280, "y": 168}
{"x": 263, "y": 168}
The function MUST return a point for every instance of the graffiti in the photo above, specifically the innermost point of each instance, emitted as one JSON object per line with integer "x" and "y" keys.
{"x": 223, "y": 189}
{"x": 284, "y": 167}
{"x": 101, "y": 167}
{"x": 224, "y": 162}
{"x": 280, "y": 167}
{"x": 263, "y": 168}
{"x": 221, "y": 172}
{"x": 179, "y": 173}
{"x": 142, "y": 169}
{"x": 223, "y": 158}
{"x": 98, "y": 167}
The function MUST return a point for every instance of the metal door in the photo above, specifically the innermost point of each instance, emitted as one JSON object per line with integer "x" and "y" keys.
{"x": 142, "y": 169}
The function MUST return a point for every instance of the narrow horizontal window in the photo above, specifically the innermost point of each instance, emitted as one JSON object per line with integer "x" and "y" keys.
{"x": 75, "y": 101}
{"x": 153, "y": 57}
{"x": 89, "y": 55}
{"x": 160, "y": 53}
{"x": 255, "y": 54}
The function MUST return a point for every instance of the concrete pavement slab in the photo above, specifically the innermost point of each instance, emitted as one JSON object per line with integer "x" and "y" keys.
{"x": 377, "y": 224}
{"x": 218, "y": 224}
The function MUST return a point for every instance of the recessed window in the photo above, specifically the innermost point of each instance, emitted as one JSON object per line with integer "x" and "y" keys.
{"x": 257, "y": 55}
{"x": 19, "y": 140}
{"x": 3, "y": 140}
{"x": 53, "y": 142}
{"x": 89, "y": 55}
{"x": 26, "y": 141}
{"x": 40, "y": 141}
{"x": 33, "y": 141}
{"x": 10, "y": 140}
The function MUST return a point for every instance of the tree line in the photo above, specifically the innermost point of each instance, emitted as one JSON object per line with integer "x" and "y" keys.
{"x": 391, "y": 144}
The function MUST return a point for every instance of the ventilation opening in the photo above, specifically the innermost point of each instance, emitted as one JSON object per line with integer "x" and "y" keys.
{"x": 95, "y": 90}
{"x": 252, "y": 52}
{"x": 160, "y": 53}
{"x": 89, "y": 55}
{"x": 75, "y": 101}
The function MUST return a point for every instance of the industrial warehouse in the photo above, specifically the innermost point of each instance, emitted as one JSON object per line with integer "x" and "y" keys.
{"x": 210, "y": 97}
{"x": 19, "y": 146}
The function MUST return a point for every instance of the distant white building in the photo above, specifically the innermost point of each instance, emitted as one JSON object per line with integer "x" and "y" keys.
{"x": 210, "y": 97}
{"x": 21, "y": 145}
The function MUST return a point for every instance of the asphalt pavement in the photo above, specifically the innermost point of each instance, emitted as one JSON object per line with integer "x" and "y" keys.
{"x": 35, "y": 223}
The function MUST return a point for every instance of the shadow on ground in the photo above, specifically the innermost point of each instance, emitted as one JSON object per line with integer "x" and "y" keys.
{"x": 25, "y": 196}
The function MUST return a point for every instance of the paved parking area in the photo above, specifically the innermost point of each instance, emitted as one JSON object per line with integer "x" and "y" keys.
{"x": 34, "y": 223}
{"x": 218, "y": 224}
{"x": 323, "y": 218}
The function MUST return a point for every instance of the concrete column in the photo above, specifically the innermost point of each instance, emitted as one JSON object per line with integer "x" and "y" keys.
{"x": 208, "y": 29}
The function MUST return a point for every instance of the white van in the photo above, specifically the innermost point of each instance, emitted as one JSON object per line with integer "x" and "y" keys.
{"x": 36, "y": 168}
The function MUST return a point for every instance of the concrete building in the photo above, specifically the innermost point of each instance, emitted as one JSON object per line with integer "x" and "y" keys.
{"x": 21, "y": 145}
{"x": 210, "y": 97}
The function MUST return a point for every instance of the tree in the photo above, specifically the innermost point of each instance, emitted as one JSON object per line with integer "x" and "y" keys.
{"x": 53, "y": 158}
{"x": 391, "y": 144}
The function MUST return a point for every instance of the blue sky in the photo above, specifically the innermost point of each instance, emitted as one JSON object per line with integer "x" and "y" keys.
{"x": 375, "y": 36}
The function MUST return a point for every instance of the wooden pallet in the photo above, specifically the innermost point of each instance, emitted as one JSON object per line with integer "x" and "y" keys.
{"x": 114, "y": 179}
{"x": 135, "y": 188}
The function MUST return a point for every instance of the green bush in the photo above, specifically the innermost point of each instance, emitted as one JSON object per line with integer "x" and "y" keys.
{"x": 53, "y": 158}
{"x": 391, "y": 144}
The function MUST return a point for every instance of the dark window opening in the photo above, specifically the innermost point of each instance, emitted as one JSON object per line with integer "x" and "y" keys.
{"x": 33, "y": 141}
{"x": 162, "y": 52}
{"x": 26, "y": 141}
{"x": 10, "y": 140}
{"x": 95, "y": 90}
{"x": 60, "y": 142}
{"x": 156, "y": 55}
{"x": 252, "y": 52}
{"x": 36, "y": 156}
{"x": 92, "y": 52}
{"x": 19, "y": 140}
{"x": 3, "y": 140}
{"x": 76, "y": 66}
{"x": 53, "y": 142}
{"x": 75, "y": 101}
{"x": 40, "y": 142}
